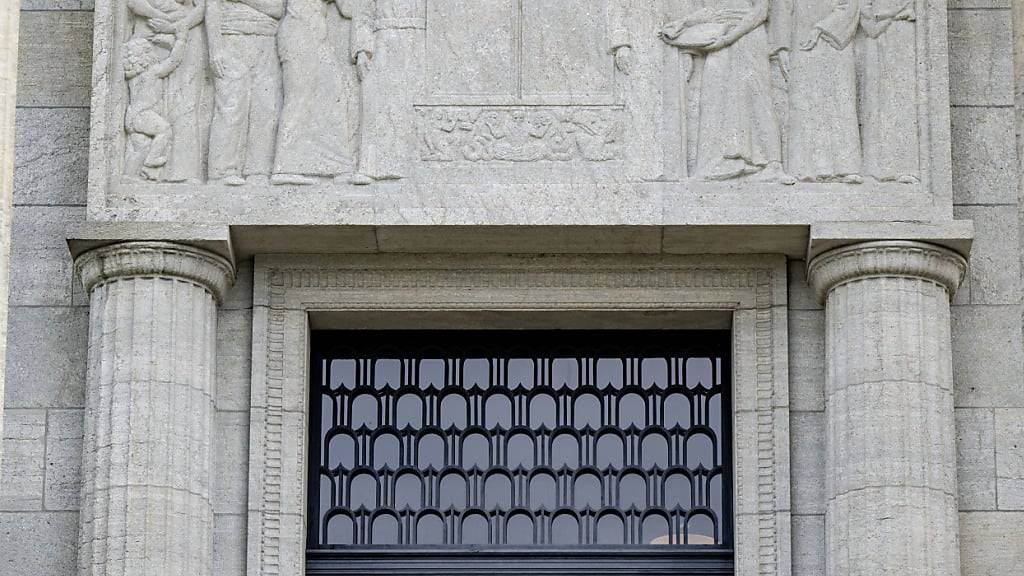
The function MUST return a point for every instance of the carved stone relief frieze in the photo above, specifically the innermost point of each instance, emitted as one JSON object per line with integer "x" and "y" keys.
{"x": 338, "y": 92}
{"x": 850, "y": 89}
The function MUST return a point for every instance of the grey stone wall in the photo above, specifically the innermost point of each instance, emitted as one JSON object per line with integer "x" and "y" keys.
{"x": 988, "y": 364}
{"x": 48, "y": 314}
{"x": 40, "y": 478}
{"x": 987, "y": 315}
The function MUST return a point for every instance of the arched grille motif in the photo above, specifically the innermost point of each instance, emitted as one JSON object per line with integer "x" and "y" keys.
{"x": 495, "y": 439}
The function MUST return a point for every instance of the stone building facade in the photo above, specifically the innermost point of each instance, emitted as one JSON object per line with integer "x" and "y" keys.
{"x": 200, "y": 186}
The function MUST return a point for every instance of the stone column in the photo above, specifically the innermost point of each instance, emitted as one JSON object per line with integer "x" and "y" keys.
{"x": 8, "y": 81}
{"x": 890, "y": 441}
{"x": 146, "y": 469}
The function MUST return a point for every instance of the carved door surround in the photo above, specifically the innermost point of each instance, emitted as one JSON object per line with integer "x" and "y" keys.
{"x": 292, "y": 294}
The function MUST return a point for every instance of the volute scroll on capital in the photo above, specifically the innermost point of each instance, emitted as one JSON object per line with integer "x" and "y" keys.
{"x": 884, "y": 259}
{"x": 169, "y": 260}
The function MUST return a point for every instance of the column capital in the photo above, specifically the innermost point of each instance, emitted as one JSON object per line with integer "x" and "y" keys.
{"x": 156, "y": 259}
{"x": 886, "y": 259}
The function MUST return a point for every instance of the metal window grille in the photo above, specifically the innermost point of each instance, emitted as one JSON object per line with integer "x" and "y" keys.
{"x": 573, "y": 446}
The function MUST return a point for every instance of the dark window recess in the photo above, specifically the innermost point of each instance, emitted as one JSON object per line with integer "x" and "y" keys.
{"x": 571, "y": 451}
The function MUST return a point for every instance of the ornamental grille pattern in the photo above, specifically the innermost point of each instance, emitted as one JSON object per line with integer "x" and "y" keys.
{"x": 462, "y": 439}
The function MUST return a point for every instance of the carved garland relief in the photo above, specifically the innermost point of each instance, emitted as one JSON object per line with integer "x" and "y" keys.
{"x": 297, "y": 92}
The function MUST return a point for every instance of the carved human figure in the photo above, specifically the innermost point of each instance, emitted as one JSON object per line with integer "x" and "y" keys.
{"x": 386, "y": 47}
{"x": 241, "y": 35}
{"x": 888, "y": 90}
{"x": 314, "y": 119}
{"x": 146, "y": 65}
{"x": 184, "y": 89}
{"x": 824, "y": 136}
{"x": 738, "y": 132}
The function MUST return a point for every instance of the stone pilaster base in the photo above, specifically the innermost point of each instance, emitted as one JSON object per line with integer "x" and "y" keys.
{"x": 149, "y": 409}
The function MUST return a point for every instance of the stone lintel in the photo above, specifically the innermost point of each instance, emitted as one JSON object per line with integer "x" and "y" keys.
{"x": 159, "y": 259}
{"x": 790, "y": 240}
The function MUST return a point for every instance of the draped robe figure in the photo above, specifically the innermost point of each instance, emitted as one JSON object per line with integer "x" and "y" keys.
{"x": 887, "y": 50}
{"x": 311, "y": 134}
{"x": 738, "y": 132}
{"x": 391, "y": 31}
{"x": 824, "y": 135}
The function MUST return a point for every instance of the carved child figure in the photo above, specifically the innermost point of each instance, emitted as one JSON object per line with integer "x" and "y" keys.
{"x": 145, "y": 69}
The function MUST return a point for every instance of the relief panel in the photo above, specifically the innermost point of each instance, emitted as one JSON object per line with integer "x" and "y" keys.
{"x": 688, "y": 101}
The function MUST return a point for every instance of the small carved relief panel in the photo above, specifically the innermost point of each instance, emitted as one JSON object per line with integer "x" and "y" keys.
{"x": 284, "y": 93}
{"x": 520, "y": 134}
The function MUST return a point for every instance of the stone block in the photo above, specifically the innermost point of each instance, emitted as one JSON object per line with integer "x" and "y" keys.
{"x": 995, "y": 259}
{"x": 234, "y": 359}
{"x": 987, "y": 366}
{"x": 807, "y": 360}
{"x": 808, "y": 545}
{"x": 63, "y": 459}
{"x": 521, "y": 239}
{"x": 231, "y": 453}
{"x": 51, "y": 156}
{"x": 981, "y": 58}
{"x": 1009, "y": 441}
{"x": 984, "y": 156}
{"x": 24, "y": 456}
{"x": 975, "y": 458}
{"x": 801, "y": 297}
{"x": 42, "y": 273}
{"x": 38, "y": 544}
{"x": 239, "y": 296}
{"x": 46, "y": 357}
{"x": 55, "y": 59}
{"x": 229, "y": 544}
{"x": 808, "y": 457}
{"x": 990, "y": 543}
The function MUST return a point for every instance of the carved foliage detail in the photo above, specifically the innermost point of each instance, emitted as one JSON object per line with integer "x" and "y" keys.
{"x": 519, "y": 133}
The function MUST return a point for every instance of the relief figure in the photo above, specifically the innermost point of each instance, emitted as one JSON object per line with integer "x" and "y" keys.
{"x": 314, "y": 121}
{"x": 738, "y": 132}
{"x": 387, "y": 41}
{"x": 887, "y": 52}
{"x": 824, "y": 136}
{"x": 184, "y": 93}
{"x": 157, "y": 26}
{"x": 247, "y": 87}
{"x": 146, "y": 65}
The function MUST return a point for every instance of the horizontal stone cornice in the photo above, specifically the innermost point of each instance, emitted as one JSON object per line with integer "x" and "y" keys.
{"x": 156, "y": 259}
{"x": 886, "y": 259}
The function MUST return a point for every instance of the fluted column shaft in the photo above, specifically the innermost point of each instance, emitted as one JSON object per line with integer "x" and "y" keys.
{"x": 890, "y": 443}
{"x": 146, "y": 476}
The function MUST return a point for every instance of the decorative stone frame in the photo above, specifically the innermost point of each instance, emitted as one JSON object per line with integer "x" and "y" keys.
{"x": 292, "y": 293}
